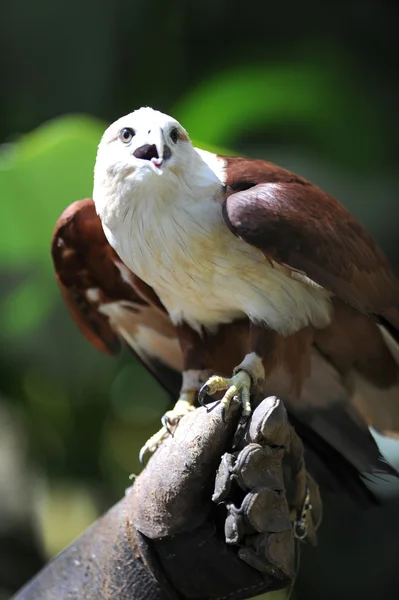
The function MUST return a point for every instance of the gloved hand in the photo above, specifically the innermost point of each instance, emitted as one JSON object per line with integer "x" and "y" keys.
{"x": 230, "y": 537}
{"x": 203, "y": 520}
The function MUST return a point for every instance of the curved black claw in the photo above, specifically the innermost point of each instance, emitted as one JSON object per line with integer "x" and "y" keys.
{"x": 202, "y": 393}
{"x": 142, "y": 454}
{"x": 225, "y": 409}
{"x": 241, "y": 430}
{"x": 165, "y": 423}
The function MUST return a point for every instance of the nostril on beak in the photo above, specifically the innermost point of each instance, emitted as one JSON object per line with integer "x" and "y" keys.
{"x": 146, "y": 152}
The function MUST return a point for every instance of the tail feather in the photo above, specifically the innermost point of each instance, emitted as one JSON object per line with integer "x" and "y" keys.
{"x": 380, "y": 406}
{"x": 390, "y": 318}
{"x": 340, "y": 450}
{"x": 340, "y": 455}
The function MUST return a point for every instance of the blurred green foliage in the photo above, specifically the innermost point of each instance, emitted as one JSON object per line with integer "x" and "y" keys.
{"x": 282, "y": 82}
{"x": 39, "y": 175}
{"x": 314, "y": 100}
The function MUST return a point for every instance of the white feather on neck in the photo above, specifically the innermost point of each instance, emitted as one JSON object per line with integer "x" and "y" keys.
{"x": 169, "y": 230}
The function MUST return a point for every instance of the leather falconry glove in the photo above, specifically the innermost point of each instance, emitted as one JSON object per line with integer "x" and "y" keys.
{"x": 179, "y": 532}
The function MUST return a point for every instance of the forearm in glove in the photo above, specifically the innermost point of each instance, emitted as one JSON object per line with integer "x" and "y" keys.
{"x": 169, "y": 539}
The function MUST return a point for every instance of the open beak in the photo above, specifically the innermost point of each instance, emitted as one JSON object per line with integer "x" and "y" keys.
{"x": 155, "y": 150}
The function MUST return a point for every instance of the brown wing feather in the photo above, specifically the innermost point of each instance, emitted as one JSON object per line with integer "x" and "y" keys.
{"x": 106, "y": 300}
{"x": 81, "y": 259}
{"x": 297, "y": 224}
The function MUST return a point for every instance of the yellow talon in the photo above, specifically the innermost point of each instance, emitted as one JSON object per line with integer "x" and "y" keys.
{"x": 237, "y": 386}
{"x": 170, "y": 421}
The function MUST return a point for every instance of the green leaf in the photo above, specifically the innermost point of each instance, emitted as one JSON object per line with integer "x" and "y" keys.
{"x": 40, "y": 175}
{"x": 318, "y": 101}
{"x": 27, "y": 305}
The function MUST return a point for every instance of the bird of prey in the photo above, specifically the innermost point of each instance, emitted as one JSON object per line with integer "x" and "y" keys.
{"x": 240, "y": 276}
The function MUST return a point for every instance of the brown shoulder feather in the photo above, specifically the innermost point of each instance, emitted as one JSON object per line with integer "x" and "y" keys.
{"x": 297, "y": 224}
{"x": 82, "y": 259}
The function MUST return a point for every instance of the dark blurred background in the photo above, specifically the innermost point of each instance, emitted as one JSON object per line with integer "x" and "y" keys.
{"x": 310, "y": 85}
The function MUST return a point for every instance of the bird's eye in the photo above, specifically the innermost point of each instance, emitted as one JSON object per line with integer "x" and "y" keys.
{"x": 174, "y": 135}
{"x": 126, "y": 135}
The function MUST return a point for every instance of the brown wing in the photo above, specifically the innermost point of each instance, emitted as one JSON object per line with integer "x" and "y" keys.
{"x": 107, "y": 301}
{"x": 297, "y": 224}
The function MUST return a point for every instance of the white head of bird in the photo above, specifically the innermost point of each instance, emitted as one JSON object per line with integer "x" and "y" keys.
{"x": 147, "y": 156}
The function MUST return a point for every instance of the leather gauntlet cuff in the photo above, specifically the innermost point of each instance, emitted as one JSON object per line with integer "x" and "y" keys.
{"x": 199, "y": 565}
{"x": 110, "y": 561}
{"x": 182, "y": 533}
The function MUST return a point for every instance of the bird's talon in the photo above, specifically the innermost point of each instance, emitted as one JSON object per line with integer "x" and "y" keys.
{"x": 166, "y": 424}
{"x": 246, "y": 411}
{"x": 153, "y": 443}
{"x": 170, "y": 421}
{"x": 224, "y": 403}
{"x": 237, "y": 387}
{"x": 202, "y": 393}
